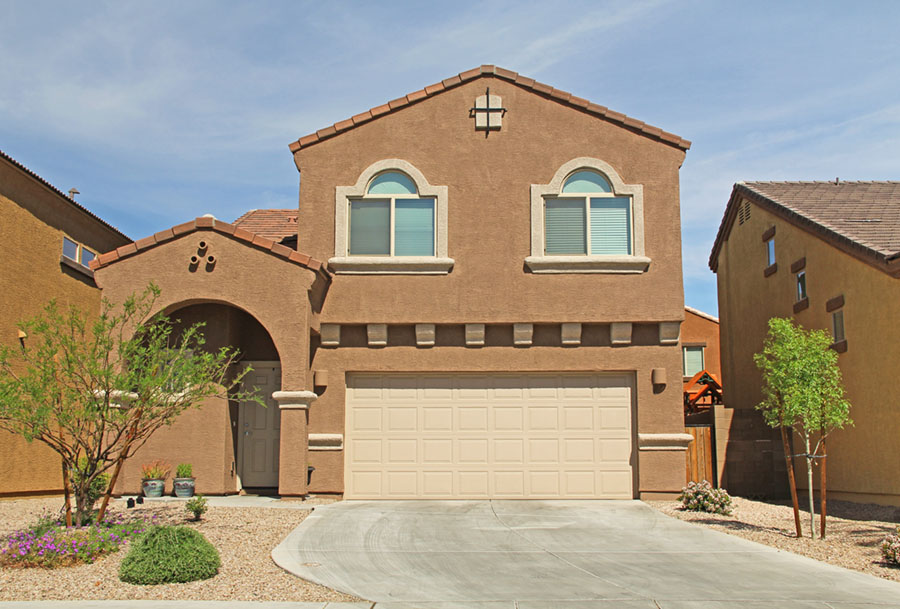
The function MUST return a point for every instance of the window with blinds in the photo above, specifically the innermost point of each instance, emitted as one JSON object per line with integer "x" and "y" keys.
{"x": 587, "y": 218}
{"x": 693, "y": 360}
{"x": 391, "y": 222}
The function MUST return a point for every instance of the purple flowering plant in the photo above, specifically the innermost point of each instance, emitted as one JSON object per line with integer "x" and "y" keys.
{"x": 49, "y": 544}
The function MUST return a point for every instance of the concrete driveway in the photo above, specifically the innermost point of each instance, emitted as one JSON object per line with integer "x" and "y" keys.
{"x": 566, "y": 554}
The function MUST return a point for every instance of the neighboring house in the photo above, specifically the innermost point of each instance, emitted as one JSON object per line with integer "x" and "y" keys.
{"x": 47, "y": 243}
{"x": 486, "y": 302}
{"x": 700, "y": 344}
{"x": 828, "y": 255}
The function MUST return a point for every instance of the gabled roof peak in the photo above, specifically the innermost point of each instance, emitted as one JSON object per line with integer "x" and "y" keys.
{"x": 491, "y": 71}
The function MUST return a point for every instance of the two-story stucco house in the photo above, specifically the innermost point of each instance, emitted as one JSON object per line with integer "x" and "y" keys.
{"x": 828, "y": 255}
{"x": 47, "y": 241}
{"x": 485, "y": 300}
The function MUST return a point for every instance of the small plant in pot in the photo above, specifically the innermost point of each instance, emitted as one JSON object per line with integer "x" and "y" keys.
{"x": 184, "y": 480}
{"x": 154, "y": 478}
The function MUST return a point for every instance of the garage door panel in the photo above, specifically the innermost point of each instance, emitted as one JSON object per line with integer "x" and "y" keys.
{"x": 480, "y": 436}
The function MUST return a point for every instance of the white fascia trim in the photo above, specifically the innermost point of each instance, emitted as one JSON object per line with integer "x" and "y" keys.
{"x": 587, "y": 264}
{"x": 385, "y": 265}
{"x": 539, "y": 263}
{"x": 343, "y": 263}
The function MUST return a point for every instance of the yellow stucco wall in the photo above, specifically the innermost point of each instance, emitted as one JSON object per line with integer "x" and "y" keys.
{"x": 33, "y": 221}
{"x": 862, "y": 460}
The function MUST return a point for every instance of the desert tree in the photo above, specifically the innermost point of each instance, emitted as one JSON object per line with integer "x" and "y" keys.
{"x": 803, "y": 392}
{"x": 95, "y": 388}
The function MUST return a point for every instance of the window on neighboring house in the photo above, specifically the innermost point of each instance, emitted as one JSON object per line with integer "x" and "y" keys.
{"x": 801, "y": 285}
{"x": 587, "y": 220}
{"x": 76, "y": 252}
{"x": 391, "y": 219}
{"x": 391, "y": 222}
{"x": 837, "y": 326}
{"x": 693, "y": 360}
{"x": 770, "y": 252}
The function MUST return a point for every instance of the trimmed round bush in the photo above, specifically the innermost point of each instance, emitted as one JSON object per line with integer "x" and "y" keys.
{"x": 703, "y": 497}
{"x": 166, "y": 555}
{"x": 890, "y": 547}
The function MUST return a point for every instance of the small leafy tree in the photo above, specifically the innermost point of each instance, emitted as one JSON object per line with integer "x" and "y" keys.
{"x": 96, "y": 389}
{"x": 802, "y": 390}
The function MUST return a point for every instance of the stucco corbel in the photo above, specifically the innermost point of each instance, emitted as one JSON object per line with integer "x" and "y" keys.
{"x": 294, "y": 400}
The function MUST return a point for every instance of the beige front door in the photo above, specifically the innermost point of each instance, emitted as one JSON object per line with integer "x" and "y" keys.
{"x": 478, "y": 436}
{"x": 259, "y": 428}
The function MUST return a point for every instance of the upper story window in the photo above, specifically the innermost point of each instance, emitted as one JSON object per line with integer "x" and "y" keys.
{"x": 801, "y": 285}
{"x": 692, "y": 359}
{"x": 587, "y": 220}
{"x": 76, "y": 252}
{"x": 837, "y": 326}
{"x": 770, "y": 252}
{"x": 391, "y": 222}
{"x": 391, "y": 219}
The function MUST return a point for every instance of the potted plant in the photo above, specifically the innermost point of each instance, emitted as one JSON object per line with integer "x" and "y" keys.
{"x": 184, "y": 480}
{"x": 154, "y": 478}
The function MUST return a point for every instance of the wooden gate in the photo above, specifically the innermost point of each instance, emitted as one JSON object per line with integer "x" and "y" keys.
{"x": 701, "y": 460}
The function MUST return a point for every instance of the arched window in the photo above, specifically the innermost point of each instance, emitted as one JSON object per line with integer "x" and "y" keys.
{"x": 587, "y": 220}
{"x": 392, "y": 221}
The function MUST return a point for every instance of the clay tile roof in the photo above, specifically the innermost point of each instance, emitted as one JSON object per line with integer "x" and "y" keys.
{"x": 274, "y": 224}
{"x": 56, "y": 190}
{"x": 860, "y": 217}
{"x": 489, "y": 71}
{"x": 209, "y": 223}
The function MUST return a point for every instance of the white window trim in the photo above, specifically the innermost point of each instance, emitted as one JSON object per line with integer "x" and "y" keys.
{"x": 538, "y": 262}
{"x": 684, "y": 352}
{"x": 343, "y": 263}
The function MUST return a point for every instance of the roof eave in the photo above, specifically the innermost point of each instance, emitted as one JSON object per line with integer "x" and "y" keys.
{"x": 491, "y": 71}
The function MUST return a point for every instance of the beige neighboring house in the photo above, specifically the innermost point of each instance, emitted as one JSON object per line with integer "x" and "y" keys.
{"x": 484, "y": 300}
{"x": 828, "y": 255}
{"x": 47, "y": 241}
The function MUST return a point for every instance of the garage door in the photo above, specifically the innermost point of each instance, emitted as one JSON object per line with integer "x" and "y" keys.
{"x": 488, "y": 436}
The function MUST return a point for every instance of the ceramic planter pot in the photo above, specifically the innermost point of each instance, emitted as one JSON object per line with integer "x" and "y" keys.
{"x": 184, "y": 487}
{"x": 153, "y": 487}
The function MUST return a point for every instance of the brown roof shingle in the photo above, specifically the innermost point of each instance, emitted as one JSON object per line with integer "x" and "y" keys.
{"x": 274, "y": 224}
{"x": 860, "y": 217}
{"x": 490, "y": 71}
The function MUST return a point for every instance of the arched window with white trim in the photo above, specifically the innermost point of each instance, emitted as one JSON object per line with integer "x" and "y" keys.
{"x": 391, "y": 222}
{"x": 587, "y": 220}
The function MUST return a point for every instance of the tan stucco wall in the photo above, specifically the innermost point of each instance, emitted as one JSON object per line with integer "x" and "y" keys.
{"x": 489, "y": 232}
{"x": 862, "y": 463}
{"x": 659, "y": 412}
{"x": 33, "y": 221}
{"x": 698, "y": 330}
{"x": 265, "y": 289}
{"x": 489, "y": 235}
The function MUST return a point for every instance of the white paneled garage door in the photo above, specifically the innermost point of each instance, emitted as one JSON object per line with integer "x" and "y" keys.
{"x": 482, "y": 436}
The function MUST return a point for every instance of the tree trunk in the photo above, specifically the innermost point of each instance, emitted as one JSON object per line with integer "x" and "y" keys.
{"x": 822, "y": 490}
{"x": 68, "y": 495}
{"x": 809, "y": 483}
{"x": 109, "y": 488}
{"x": 791, "y": 481}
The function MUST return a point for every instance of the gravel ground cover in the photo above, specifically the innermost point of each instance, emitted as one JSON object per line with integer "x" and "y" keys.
{"x": 852, "y": 537}
{"x": 244, "y": 537}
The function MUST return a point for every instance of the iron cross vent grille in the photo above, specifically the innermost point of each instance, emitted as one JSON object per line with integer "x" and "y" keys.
{"x": 488, "y": 112}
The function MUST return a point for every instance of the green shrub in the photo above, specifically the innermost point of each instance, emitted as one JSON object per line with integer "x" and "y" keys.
{"x": 167, "y": 554}
{"x": 197, "y": 506}
{"x": 703, "y": 497}
{"x": 890, "y": 547}
{"x": 184, "y": 470}
{"x": 98, "y": 485}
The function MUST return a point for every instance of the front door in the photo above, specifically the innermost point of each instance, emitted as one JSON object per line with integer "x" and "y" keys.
{"x": 259, "y": 428}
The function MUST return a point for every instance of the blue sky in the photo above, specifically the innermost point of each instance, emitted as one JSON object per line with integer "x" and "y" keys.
{"x": 160, "y": 112}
